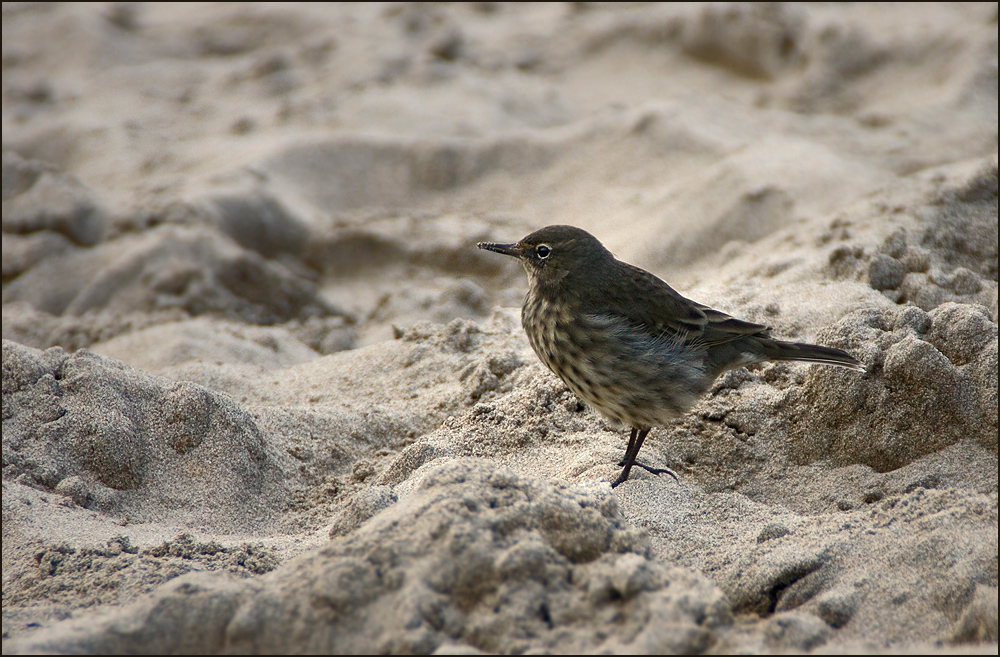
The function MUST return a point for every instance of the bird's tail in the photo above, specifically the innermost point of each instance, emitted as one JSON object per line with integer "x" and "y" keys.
{"x": 812, "y": 353}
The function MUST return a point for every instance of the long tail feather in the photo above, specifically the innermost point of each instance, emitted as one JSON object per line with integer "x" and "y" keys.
{"x": 812, "y": 353}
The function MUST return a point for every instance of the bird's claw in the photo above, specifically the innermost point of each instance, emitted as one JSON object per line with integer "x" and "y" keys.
{"x": 652, "y": 470}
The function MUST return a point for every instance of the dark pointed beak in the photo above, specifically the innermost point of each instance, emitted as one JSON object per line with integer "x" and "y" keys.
{"x": 506, "y": 249}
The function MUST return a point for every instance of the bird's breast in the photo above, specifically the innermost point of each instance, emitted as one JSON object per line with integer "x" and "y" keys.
{"x": 627, "y": 375}
{"x": 544, "y": 321}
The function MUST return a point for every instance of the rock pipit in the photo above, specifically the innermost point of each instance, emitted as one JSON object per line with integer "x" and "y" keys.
{"x": 627, "y": 343}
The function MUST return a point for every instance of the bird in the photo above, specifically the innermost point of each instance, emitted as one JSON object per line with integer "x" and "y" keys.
{"x": 628, "y": 344}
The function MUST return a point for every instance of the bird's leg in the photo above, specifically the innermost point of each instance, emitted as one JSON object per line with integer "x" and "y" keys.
{"x": 631, "y": 444}
{"x": 634, "y": 444}
{"x": 631, "y": 452}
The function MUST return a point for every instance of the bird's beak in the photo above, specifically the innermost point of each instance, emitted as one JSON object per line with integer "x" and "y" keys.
{"x": 506, "y": 249}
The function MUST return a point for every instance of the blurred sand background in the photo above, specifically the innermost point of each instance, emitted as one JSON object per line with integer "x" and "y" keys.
{"x": 262, "y": 393}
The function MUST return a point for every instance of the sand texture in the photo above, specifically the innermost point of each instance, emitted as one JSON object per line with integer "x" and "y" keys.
{"x": 262, "y": 393}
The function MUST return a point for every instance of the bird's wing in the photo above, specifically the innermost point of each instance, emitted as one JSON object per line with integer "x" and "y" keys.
{"x": 646, "y": 301}
{"x": 725, "y": 328}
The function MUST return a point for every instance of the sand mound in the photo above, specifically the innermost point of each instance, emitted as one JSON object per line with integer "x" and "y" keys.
{"x": 475, "y": 556}
{"x": 119, "y": 441}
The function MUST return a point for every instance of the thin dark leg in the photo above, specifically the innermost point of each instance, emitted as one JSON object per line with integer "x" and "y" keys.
{"x": 631, "y": 444}
{"x": 631, "y": 452}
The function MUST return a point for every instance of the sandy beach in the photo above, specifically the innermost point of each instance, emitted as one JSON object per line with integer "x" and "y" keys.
{"x": 262, "y": 393}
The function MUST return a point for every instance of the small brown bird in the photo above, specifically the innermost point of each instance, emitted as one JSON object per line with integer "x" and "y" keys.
{"x": 627, "y": 343}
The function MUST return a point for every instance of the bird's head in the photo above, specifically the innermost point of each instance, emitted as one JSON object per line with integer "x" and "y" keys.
{"x": 555, "y": 253}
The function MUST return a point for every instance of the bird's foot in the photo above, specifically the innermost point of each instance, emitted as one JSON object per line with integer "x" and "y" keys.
{"x": 657, "y": 471}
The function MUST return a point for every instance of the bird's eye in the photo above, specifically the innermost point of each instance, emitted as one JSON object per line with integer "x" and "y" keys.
{"x": 543, "y": 251}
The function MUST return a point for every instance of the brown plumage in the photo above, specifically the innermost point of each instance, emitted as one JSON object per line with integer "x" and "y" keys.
{"x": 626, "y": 342}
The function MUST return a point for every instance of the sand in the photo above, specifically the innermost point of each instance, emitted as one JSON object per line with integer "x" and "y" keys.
{"x": 261, "y": 393}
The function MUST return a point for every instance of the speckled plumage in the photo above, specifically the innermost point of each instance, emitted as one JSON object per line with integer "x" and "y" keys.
{"x": 627, "y": 343}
